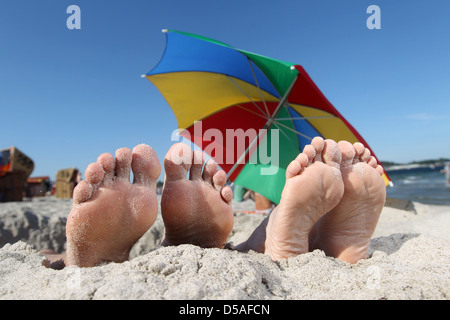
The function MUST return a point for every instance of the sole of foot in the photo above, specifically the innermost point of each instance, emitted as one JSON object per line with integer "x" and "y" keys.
{"x": 313, "y": 187}
{"x": 345, "y": 231}
{"x": 195, "y": 204}
{"x": 110, "y": 213}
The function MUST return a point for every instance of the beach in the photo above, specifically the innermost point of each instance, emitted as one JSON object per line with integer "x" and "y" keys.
{"x": 409, "y": 259}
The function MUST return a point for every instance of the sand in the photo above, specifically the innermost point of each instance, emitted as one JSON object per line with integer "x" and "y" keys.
{"x": 409, "y": 259}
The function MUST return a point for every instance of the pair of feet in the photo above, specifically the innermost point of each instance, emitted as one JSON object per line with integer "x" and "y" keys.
{"x": 331, "y": 201}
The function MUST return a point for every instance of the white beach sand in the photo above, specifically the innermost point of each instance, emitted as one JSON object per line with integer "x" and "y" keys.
{"x": 409, "y": 259}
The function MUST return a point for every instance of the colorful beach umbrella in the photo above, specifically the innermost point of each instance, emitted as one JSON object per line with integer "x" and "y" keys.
{"x": 252, "y": 114}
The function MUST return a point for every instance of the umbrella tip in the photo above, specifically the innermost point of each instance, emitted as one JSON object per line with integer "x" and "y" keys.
{"x": 164, "y": 30}
{"x": 143, "y": 75}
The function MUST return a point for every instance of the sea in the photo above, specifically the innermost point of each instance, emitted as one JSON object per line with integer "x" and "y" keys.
{"x": 419, "y": 183}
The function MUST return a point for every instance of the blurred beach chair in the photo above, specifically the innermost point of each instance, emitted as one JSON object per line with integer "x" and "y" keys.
{"x": 15, "y": 168}
{"x": 66, "y": 180}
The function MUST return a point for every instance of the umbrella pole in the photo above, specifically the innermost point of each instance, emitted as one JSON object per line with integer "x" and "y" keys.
{"x": 266, "y": 126}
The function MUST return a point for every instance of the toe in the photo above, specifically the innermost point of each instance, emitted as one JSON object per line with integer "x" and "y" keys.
{"x": 123, "y": 164}
{"x": 145, "y": 165}
{"x": 302, "y": 160}
{"x": 380, "y": 169}
{"x": 372, "y": 162}
{"x": 106, "y": 161}
{"x": 94, "y": 173}
{"x": 365, "y": 156}
{"x": 293, "y": 169}
{"x": 227, "y": 194}
{"x": 359, "y": 149}
{"x": 219, "y": 179}
{"x": 296, "y": 166}
{"x": 197, "y": 165}
{"x": 331, "y": 154}
{"x": 82, "y": 192}
{"x": 318, "y": 144}
{"x": 209, "y": 170}
{"x": 348, "y": 152}
{"x": 310, "y": 152}
{"x": 177, "y": 161}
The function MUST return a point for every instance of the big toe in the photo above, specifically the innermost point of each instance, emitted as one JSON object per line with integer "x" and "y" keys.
{"x": 348, "y": 153}
{"x": 178, "y": 161}
{"x": 145, "y": 165}
{"x": 331, "y": 154}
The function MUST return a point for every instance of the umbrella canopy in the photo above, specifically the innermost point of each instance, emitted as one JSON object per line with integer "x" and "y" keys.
{"x": 252, "y": 114}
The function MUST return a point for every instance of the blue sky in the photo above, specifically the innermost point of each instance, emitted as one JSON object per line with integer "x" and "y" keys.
{"x": 68, "y": 95}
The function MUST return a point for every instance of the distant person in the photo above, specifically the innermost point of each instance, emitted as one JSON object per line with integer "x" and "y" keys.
{"x": 262, "y": 204}
{"x": 332, "y": 199}
{"x": 446, "y": 171}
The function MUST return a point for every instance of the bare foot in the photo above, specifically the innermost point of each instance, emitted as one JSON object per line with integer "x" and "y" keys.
{"x": 110, "y": 214}
{"x": 195, "y": 209}
{"x": 346, "y": 230}
{"x": 313, "y": 187}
